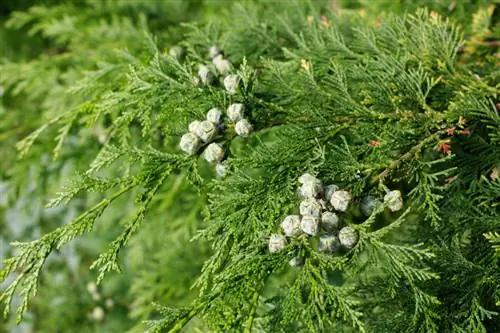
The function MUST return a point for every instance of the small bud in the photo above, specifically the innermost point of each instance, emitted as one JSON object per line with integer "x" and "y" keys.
{"x": 309, "y": 225}
{"x": 394, "y": 200}
{"x": 214, "y": 51}
{"x": 194, "y": 126}
{"x": 291, "y": 225}
{"x": 176, "y": 52}
{"x": 96, "y": 297}
{"x": 189, "y": 143}
{"x": 231, "y": 83}
{"x": 243, "y": 128}
{"x": 330, "y": 221}
{"x": 369, "y": 204}
{"x": 205, "y": 75}
{"x": 310, "y": 207}
{"x": 328, "y": 244}
{"x": 92, "y": 287}
{"x": 296, "y": 262}
{"x": 206, "y": 131}
{"x": 236, "y": 112}
{"x": 276, "y": 243}
{"x": 329, "y": 189}
{"x": 348, "y": 237}
{"x": 109, "y": 303}
{"x": 214, "y": 153}
{"x": 214, "y": 115}
{"x": 340, "y": 200}
{"x": 221, "y": 169}
{"x": 495, "y": 173}
{"x": 222, "y": 65}
{"x": 97, "y": 314}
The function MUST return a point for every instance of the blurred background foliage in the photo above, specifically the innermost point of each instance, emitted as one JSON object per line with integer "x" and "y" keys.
{"x": 48, "y": 48}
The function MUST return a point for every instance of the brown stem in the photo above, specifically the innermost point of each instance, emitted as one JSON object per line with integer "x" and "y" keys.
{"x": 412, "y": 152}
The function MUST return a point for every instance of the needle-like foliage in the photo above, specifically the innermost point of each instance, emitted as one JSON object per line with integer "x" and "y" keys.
{"x": 404, "y": 102}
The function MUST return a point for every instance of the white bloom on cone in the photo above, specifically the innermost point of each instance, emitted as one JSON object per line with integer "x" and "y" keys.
{"x": 329, "y": 189}
{"x": 97, "y": 314}
{"x": 206, "y": 131}
{"x": 311, "y": 189}
{"x": 276, "y": 243}
{"x": 109, "y": 303}
{"x": 189, "y": 143}
{"x": 213, "y": 153}
{"x": 348, "y": 237}
{"x": 236, "y": 112}
{"x": 330, "y": 221}
{"x": 369, "y": 204}
{"x": 328, "y": 244}
{"x": 394, "y": 200}
{"x": 221, "y": 169}
{"x": 311, "y": 186}
{"x": 300, "y": 194}
{"x": 243, "y": 128}
{"x": 308, "y": 178}
{"x": 296, "y": 262}
{"x": 214, "y": 51}
{"x": 291, "y": 225}
{"x": 309, "y": 225}
{"x": 231, "y": 83}
{"x": 205, "y": 75}
{"x": 194, "y": 126}
{"x": 92, "y": 287}
{"x": 214, "y": 115}
{"x": 340, "y": 200}
{"x": 310, "y": 207}
{"x": 222, "y": 65}
{"x": 176, "y": 52}
{"x": 217, "y": 58}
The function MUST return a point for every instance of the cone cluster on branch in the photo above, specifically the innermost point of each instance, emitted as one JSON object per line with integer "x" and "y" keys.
{"x": 205, "y": 131}
{"x": 320, "y": 212}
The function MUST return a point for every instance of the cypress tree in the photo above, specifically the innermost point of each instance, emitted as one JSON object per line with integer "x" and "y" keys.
{"x": 260, "y": 166}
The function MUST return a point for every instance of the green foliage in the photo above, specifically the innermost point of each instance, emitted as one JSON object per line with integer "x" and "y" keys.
{"x": 398, "y": 101}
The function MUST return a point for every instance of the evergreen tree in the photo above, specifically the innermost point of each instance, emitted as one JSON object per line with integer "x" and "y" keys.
{"x": 257, "y": 167}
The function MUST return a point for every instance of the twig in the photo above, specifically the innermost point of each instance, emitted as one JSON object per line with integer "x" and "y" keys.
{"x": 251, "y": 316}
{"x": 181, "y": 323}
{"x": 413, "y": 151}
